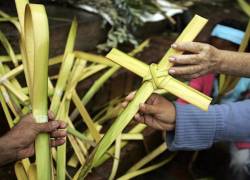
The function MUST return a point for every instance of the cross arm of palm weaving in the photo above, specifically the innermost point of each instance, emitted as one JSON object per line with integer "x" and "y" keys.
{"x": 155, "y": 77}
{"x": 158, "y": 75}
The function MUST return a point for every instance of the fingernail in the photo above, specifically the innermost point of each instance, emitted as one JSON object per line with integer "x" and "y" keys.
{"x": 171, "y": 71}
{"x": 172, "y": 59}
{"x": 64, "y": 125}
{"x": 142, "y": 105}
{"x": 124, "y": 104}
{"x": 173, "y": 46}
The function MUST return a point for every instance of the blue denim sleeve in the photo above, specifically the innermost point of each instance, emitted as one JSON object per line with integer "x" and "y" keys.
{"x": 196, "y": 129}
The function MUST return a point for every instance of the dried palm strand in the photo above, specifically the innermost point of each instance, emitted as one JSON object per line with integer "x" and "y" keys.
{"x": 12, "y": 73}
{"x": 61, "y": 150}
{"x": 93, "y": 58}
{"x": 100, "y": 81}
{"x": 6, "y": 111}
{"x": 61, "y": 82}
{"x": 244, "y": 6}
{"x": 67, "y": 63}
{"x": 19, "y": 94}
{"x": 12, "y": 20}
{"x": 9, "y": 101}
{"x": 86, "y": 117}
{"x": 63, "y": 111}
{"x": 8, "y": 48}
{"x": 159, "y": 150}
{"x": 32, "y": 172}
{"x": 4, "y": 58}
{"x": 20, "y": 6}
{"x": 137, "y": 129}
{"x": 20, "y": 171}
{"x": 116, "y": 158}
{"x": 89, "y": 71}
{"x": 147, "y": 169}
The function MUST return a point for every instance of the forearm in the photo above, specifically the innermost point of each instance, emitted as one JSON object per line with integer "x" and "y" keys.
{"x": 7, "y": 152}
{"x": 233, "y": 63}
{"x": 197, "y": 130}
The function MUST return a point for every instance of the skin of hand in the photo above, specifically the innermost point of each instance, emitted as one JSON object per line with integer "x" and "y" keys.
{"x": 18, "y": 143}
{"x": 157, "y": 112}
{"x": 203, "y": 60}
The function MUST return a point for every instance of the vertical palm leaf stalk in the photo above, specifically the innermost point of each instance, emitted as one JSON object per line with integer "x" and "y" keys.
{"x": 61, "y": 150}
{"x": 60, "y": 86}
{"x": 37, "y": 44}
{"x": 227, "y": 82}
{"x": 100, "y": 81}
{"x": 20, "y": 6}
{"x": 67, "y": 63}
{"x": 63, "y": 114}
{"x": 145, "y": 91}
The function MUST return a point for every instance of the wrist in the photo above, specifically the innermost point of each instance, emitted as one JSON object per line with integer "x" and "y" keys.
{"x": 8, "y": 152}
{"x": 218, "y": 58}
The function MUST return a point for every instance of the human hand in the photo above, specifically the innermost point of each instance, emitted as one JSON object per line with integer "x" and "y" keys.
{"x": 20, "y": 139}
{"x": 157, "y": 112}
{"x": 204, "y": 60}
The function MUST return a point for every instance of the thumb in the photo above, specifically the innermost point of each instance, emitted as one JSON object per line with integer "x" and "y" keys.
{"x": 149, "y": 109}
{"x": 47, "y": 127}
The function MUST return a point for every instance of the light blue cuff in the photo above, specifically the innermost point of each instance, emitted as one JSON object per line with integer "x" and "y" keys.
{"x": 228, "y": 33}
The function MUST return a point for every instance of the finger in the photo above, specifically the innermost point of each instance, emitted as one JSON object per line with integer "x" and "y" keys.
{"x": 185, "y": 59}
{"x": 157, "y": 124}
{"x": 57, "y": 142}
{"x": 137, "y": 116}
{"x": 51, "y": 115}
{"x": 47, "y": 127}
{"x": 152, "y": 98}
{"x": 130, "y": 96}
{"x": 149, "y": 109}
{"x": 63, "y": 125}
{"x": 185, "y": 70}
{"x": 150, "y": 121}
{"x": 192, "y": 76}
{"x": 58, "y": 134}
{"x": 167, "y": 127}
{"x": 124, "y": 104}
{"x": 193, "y": 47}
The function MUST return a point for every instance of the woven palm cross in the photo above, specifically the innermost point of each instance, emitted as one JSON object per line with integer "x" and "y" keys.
{"x": 155, "y": 76}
